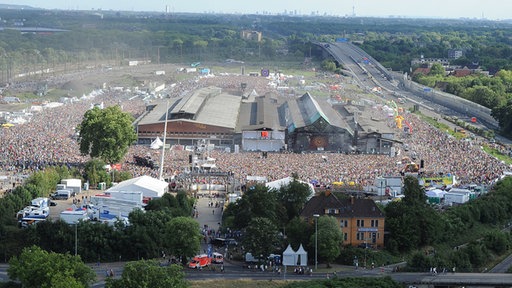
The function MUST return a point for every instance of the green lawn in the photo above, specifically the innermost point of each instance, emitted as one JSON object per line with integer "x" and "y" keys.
{"x": 496, "y": 153}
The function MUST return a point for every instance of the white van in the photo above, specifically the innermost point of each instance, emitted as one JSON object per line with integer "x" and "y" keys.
{"x": 217, "y": 258}
{"x": 61, "y": 195}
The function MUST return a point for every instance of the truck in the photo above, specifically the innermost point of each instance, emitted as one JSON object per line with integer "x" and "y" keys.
{"x": 73, "y": 184}
{"x": 200, "y": 261}
{"x": 455, "y": 198}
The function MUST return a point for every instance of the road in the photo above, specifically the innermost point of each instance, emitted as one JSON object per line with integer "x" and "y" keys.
{"x": 370, "y": 74}
{"x": 237, "y": 272}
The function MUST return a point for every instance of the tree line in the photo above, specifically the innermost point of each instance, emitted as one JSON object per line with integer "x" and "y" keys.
{"x": 467, "y": 236}
{"x": 146, "y": 237}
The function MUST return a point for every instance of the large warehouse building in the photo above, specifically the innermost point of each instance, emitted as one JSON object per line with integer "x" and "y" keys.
{"x": 265, "y": 123}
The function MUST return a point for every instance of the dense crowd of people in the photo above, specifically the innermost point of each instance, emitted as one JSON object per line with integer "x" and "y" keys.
{"x": 49, "y": 138}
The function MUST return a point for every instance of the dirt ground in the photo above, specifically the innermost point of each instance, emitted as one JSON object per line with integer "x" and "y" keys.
{"x": 78, "y": 83}
{"x": 65, "y": 204}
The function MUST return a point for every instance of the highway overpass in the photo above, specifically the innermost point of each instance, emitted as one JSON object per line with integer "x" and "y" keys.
{"x": 369, "y": 73}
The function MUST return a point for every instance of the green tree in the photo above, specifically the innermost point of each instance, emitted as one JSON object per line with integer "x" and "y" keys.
{"x": 261, "y": 237}
{"x": 148, "y": 233}
{"x": 411, "y": 222}
{"x": 329, "y": 65}
{"x": 330, "y": 239}
{"x": 483, "y": 95}
{"x": 256, "y": 202}
{"x": 437, "y": 69}
{"x": 298, "y": 232}
{"x": 413, "y": 192}
{"x": 44, "y": 182}
{"x": 292, "y": 198}
{"x": 497, "y": 242}
{"x": 183, "y": 237}
{"x": 95, "y": 172}
{"x": 149, "y": 274}
{"x": 503, "y": 114}
{"x": 106, "y": 133}
{"x": 40, "y": 269}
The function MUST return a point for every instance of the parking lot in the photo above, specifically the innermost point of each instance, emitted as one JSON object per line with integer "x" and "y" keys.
{"x": 65, "y": 204}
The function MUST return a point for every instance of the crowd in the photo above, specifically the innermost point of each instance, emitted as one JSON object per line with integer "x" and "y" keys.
{"x": 49, "y": 139}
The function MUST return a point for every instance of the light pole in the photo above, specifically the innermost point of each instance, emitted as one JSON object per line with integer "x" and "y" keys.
{"x": 76, "y": 238}
{"x": 316, "y": 240}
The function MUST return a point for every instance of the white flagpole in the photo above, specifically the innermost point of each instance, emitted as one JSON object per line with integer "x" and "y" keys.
{"x": 163, "y": 146}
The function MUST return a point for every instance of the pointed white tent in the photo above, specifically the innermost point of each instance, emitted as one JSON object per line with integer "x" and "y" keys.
{"x": 289, "y": 258}
{"x": 295, "y": 258}
{"x": 302, "y": 256}
{"x": 157, "y": 144}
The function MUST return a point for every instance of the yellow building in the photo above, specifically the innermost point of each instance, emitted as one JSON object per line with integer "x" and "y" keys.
{"x": 361, "y": 220}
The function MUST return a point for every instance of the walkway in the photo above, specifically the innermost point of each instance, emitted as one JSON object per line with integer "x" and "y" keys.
{"x": 209, "y": 216}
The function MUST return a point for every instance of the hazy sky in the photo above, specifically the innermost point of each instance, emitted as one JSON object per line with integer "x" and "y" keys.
{"x": 490, "y": 9}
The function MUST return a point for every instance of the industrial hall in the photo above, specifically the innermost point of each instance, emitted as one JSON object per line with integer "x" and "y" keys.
{"x": 267, "y": 123}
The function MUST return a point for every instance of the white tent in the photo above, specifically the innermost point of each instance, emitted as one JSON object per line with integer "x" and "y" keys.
{"x": 157, "y": 144}
{"x": 295, "y": 258}
{"x": 289, "y": 257}
{"x": 302, "y": 256}
{"x": 149, "y": 186}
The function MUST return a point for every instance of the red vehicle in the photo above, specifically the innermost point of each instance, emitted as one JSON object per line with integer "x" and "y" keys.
{"x": 200, "y": 261}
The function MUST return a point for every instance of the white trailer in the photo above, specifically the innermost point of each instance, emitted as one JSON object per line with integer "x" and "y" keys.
{"x": 73, "y": 184}
{"x": 131, "y": 196}
{"x": 455, "y": 198}
{"x": 118, "y": 207}
{"x": 74, "y": 216}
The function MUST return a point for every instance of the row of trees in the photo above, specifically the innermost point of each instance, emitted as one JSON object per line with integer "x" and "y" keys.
{"x": 473, "y": 228}
{"x": 118, "y": 38}
{"x": 35, "y": 268}
{"x": 163, "y": 227}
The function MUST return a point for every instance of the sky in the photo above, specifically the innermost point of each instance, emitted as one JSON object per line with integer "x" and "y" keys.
{"x": 489, "y": 9}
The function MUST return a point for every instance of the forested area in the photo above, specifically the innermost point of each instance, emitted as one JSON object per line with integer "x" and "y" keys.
{"x": 108, "y": 38}
{"x": 145, "y": 237}
{"x": 468, "y": 236}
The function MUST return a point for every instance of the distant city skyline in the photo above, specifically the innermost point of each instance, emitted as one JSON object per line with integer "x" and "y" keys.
{"x": 474, "y": 9}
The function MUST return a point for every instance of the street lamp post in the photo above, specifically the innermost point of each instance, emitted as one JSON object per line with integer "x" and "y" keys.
{"x": 316, "y": 240}
{"x": 76, "y": 238}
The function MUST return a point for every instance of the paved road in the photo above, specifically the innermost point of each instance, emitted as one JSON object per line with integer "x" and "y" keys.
{"x": 209, "y": 215}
